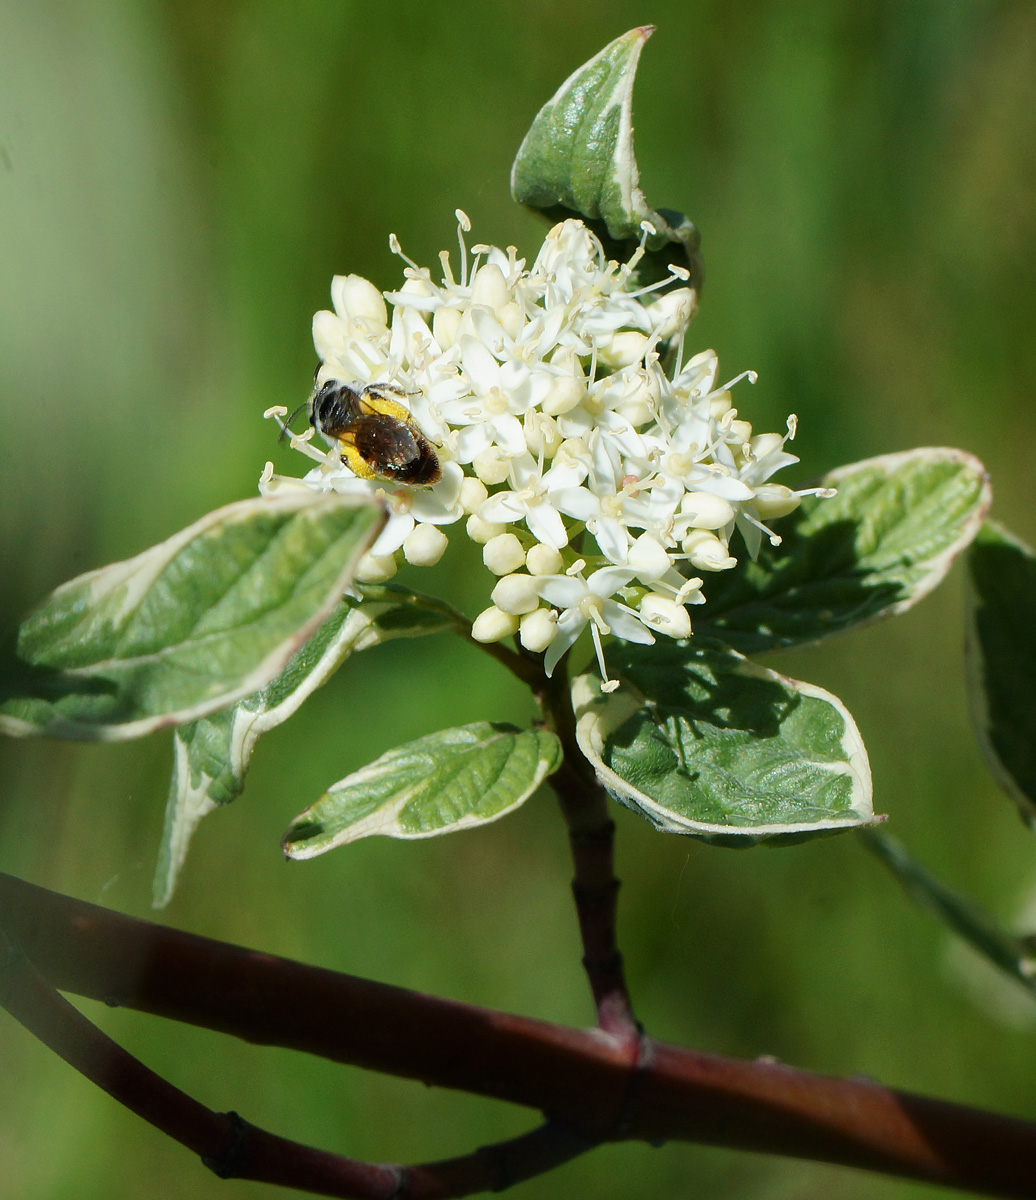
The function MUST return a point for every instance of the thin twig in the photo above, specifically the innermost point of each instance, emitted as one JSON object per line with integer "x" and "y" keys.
{"x": 582, "y": 1078}
{"x": 1012, "y": 954}
{"x": 232, "y": 1147}
{"x": 526, "y": 670}
{"x": 595, "y": 888}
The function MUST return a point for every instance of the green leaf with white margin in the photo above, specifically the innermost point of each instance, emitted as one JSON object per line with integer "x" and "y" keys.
{"x": 1001, "y": 659}
{"x": 702, "y": 741}
{"x": 874, "y": 550}
{"x": 455, "y": 779}
{"x": 211, "y": 756}
{"x": 577, "y": 160}
{"x": 190, "y": 625}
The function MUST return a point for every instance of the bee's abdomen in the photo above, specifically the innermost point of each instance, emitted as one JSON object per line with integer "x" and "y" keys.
{"x": 395, "y": 450}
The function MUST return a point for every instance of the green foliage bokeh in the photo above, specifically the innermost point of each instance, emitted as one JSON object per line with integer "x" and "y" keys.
{"x": 178, "y": 182}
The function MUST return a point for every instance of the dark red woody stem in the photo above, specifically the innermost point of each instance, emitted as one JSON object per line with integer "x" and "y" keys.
{"x": 234, "y": 1148}
{"x": 595, "y": 889}
{"x": 584, "y": 1079}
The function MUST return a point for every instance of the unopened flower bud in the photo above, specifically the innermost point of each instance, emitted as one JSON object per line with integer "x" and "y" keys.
{"x": 376, "y": 568}
{"x": 424, "y": 545}
{"x": 702, "y": 510}
{"x": 706, "y": 552}
{"x": 357, "y": 299}
{"x": 742, "y": 430}
{"x": 639, "y": 401}
{"x": 719, "y": 403}
{"x": 516, "y": 594}
{"x": 483, "y": 531}
{"x": 503, "y": 554}
{"x": 511, "y": 318}
{"x": 489, "y": 287}
{"x": 473, "y": 492}
{"x": 419, "y": 287}
{"x": 330, "y": 336}
{"x": 491, "y": 466}
{"x": 572, "y": 451}
{"x": 625, "y": 348}
{"x": 538, "y": 629}
{"x": 542, "y": 434}
{"x": 446, "y": 326}
{"x": 775, "y": 500}
{"x": 492, "y": 625}
{"x": 662, "y": 615}
{"x": 648, "y": 558}
{"x": 565, "y": 393}
{"x": 765, "y": 443}
{"x": 567, "y": 360}
{"x": 544, "y": 560}
{"x": 671, "y": 313}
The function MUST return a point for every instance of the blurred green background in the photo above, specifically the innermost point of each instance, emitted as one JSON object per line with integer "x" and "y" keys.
{"x": 178, "y": 183}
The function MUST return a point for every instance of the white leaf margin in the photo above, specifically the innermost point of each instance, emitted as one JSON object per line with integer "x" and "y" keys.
{"x": 137, "y": 573}
{"x": 384, "y": 820}
{"x": 598, "y": 716}
{"x": 934, "y": 570}
{"x": 975, "y": 670}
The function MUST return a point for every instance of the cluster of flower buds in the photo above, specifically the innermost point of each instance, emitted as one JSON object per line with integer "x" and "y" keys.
{"x": 598, "y": 471}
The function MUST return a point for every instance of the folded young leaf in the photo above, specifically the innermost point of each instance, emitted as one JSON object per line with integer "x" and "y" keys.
{"x": 1001, "y": 659}
{"x": 700, "y": 740}
{"x": 211, "y": 756}
{"x": 876, "y": 549}
{"x": 454, "y": 779}
{"x": 187, "y": 627}
{"x": 577, "y": 160}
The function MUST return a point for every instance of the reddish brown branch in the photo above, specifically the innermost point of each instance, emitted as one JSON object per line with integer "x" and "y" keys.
{"x": 595, "y": 889}
{"x": 582, "y": 1078}
{"x": 235, "y": 1149}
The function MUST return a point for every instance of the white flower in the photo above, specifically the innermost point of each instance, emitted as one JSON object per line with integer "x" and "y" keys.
{"x": 588, "y": 601}
{"x": 435, "y": 505}
{"x": 542, "y": 394}
{"x": 530, "y": 499}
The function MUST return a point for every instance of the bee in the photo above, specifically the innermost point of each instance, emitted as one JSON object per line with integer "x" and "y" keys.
{"x": 374, "y": 434}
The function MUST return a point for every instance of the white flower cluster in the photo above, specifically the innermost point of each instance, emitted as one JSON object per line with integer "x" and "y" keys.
{"x": 589, "y": 475}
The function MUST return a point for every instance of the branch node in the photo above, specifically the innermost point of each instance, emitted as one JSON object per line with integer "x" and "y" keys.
{"x": 402, "y": 1174}
{"x": 227, "y": 1164}
{"x": 645, "y": 1055}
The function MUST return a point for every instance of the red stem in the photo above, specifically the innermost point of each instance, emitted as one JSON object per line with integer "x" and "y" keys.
{"x": 595, "y": 888}
{"x": 234, "y": 1148}
{"x": 582, "y": 1078}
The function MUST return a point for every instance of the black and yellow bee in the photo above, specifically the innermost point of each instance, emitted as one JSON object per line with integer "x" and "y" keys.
{"x": 374, "y": 434}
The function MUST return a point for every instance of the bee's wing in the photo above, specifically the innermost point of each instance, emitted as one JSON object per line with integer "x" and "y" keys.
{"x": 384, "y": 442}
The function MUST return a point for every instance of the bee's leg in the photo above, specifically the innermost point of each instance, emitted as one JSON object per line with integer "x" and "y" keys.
{"x": 354, "y": 460}
{"x": 376, "y": 402}
{"x": 377, "y": 389}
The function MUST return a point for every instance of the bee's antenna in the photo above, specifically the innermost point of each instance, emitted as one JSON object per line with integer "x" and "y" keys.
{"x": 278, "y": 413}
{"x": 286, "y": 425}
